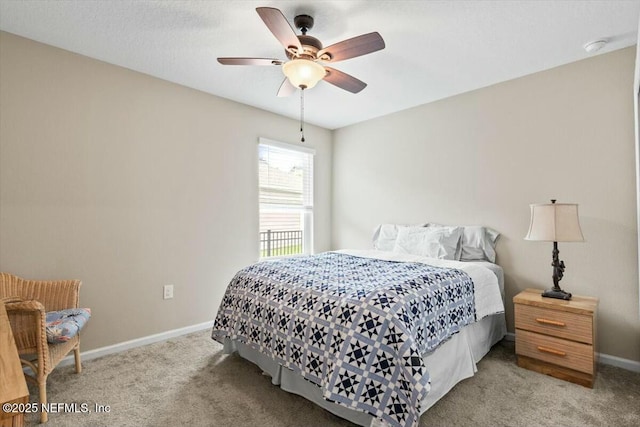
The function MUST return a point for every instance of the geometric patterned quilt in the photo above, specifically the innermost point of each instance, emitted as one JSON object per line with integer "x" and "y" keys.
{"x": 357, "y": 327}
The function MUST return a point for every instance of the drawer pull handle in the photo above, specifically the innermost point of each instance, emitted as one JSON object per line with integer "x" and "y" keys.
{"x": 550, "y": 322}
{"x": 552, "y": 351}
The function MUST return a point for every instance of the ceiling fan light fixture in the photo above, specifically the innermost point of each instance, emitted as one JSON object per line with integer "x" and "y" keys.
{"x": 303, "y": 72}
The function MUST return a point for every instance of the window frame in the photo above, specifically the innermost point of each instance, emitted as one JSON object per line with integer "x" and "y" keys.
{"x": 307, "y": 211}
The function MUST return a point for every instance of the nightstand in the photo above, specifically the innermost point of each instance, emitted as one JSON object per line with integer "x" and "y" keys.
{"x": 556, "y": 337}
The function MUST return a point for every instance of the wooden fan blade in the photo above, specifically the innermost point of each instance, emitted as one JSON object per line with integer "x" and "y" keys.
{"x": 351, "y": 48}
{"x": 286, "y": 88}
{"x": 280, "y": 27}
{"x": 249, "y": 61}
{"x": 344, "y": 80}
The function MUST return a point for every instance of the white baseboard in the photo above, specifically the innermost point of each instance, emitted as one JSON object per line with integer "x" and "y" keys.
{"x": 605, "y": 359}
{"x": 629, "y": 365}
{"x": 138, "y": 342}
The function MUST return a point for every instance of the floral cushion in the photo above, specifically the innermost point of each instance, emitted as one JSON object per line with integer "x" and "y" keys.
{"x": 65, "y": 324}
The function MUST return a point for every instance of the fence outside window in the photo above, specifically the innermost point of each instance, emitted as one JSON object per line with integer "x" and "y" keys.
{"x": 279, "y": 243}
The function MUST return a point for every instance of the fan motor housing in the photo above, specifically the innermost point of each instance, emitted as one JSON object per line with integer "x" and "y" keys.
{"x": 310, "y": 47}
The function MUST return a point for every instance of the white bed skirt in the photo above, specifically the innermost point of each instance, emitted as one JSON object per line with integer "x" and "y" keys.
{"x": 451, "y": 363}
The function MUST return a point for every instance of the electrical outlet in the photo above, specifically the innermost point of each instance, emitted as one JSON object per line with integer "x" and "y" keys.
{"x": 168, "y": 292}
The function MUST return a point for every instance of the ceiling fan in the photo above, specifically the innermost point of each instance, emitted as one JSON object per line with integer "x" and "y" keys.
{"x": 306, "y": 54}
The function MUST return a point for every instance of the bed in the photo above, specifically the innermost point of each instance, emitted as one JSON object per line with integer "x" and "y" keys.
{"x": 373, "y": 336}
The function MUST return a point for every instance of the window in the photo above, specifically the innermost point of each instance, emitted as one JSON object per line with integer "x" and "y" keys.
{"x": 286, "y": 199}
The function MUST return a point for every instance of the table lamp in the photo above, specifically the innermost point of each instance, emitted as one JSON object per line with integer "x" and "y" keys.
{"x": 555, "y": 222}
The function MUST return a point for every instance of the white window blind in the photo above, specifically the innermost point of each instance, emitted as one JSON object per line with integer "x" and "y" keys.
{"x": 285, "y": 198}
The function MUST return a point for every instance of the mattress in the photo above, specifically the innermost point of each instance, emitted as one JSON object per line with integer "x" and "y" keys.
{"x": 451, "y": 362}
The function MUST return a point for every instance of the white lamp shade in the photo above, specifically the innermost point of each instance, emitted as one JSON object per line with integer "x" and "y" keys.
{"x": 303, "y": 72}
{"x": 555, "y": 222}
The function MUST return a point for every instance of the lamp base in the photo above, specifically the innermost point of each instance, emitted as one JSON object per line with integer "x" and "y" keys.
{"x": 556, "y": 293}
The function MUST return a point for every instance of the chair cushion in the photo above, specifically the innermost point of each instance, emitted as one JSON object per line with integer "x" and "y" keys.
{"x": 65, "y": 324}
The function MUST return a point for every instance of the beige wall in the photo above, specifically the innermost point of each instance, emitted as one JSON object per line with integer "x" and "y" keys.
{"x": 129, "y": 183}
{"x": 484, "y": 156}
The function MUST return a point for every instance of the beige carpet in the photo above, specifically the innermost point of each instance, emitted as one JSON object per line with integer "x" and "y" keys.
{"x": 187, "y": 381}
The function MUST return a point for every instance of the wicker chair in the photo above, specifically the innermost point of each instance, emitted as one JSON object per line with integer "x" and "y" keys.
{"x": 26, "y": 302}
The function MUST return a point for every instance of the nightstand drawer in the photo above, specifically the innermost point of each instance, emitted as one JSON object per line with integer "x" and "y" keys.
{"x": 561, "y": 352}
{"x": 577, "y": 327}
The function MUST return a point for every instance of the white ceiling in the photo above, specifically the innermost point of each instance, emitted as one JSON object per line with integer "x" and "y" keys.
{"x": 434, "y": 49}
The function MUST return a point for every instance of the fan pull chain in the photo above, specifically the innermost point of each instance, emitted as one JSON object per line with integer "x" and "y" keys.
{"x": 302, "y": 113}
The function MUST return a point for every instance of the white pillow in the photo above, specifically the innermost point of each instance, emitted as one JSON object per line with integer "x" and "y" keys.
{"x": 384, "y": 238}
{"x": 450, "y": 229}
{"x": 479, "y": 243}
{"x": 433, "y": 242}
